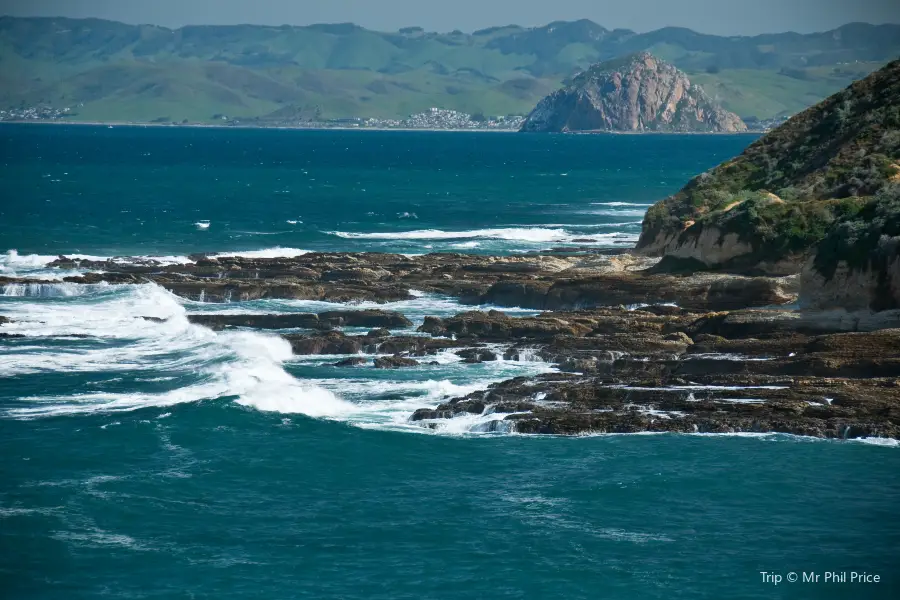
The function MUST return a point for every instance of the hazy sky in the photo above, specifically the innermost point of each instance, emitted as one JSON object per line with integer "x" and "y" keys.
{"x": 723, "y": 17}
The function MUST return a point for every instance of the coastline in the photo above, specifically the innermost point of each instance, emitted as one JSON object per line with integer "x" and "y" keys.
{"x": 341, "y": 128}
{"x": 217, "y": 126}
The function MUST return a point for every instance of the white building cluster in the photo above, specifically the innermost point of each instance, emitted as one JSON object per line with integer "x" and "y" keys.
{"x": 34, "y": 113}
{"x": 439, "y": 118}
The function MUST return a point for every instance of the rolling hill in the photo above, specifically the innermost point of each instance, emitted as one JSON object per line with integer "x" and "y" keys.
{"x": 111, "y": 71}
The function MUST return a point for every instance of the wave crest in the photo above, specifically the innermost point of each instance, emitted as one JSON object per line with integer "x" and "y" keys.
{"x": 246, "y": 366}
{"x": 277, "y": 252}
{"x": 514, "y": 234}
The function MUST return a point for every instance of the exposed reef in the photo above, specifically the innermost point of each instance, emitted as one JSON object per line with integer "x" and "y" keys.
{"x": 636, "y": 349}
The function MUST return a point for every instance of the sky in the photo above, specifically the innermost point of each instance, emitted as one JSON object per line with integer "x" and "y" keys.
{"x": 720, "y": 17}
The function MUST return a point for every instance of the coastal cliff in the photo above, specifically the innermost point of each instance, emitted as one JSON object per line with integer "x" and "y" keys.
{"x": 825, "y": 171}
{"x": 639, "y": 93}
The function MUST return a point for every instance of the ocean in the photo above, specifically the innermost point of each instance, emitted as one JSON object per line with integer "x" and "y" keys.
{"x": 160, "y": 191}
{"x": 160, "y": 459}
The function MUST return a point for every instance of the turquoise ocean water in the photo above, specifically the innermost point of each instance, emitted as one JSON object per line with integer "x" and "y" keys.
{"x": 164, "y": 460}
{"x": 151, "y": 191}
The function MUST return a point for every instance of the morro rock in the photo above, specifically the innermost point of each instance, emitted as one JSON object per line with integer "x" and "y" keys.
{"x": 639, "y": 93}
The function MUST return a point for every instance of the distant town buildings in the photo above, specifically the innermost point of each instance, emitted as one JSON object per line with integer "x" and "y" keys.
{"x": 433, "y": 118}
{"x": 34, "y": 113}
{"x": 439, "y": 118}
{"x": 754, "y": 124}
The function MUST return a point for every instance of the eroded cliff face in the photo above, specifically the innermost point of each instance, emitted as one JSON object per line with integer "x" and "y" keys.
{"x": 723, "y": 246}
{"x": 852, "y": 289}
{"x": 635, "y": 94}
{"x": 711, "y": 246}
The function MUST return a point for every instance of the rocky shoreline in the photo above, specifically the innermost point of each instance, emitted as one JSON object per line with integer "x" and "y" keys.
{"x": 637, "y": 350}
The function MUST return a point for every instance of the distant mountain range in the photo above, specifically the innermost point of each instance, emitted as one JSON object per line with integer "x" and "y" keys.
{"x": 111, "y": 71}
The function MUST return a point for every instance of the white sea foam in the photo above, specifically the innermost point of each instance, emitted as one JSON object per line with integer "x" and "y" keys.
{"x": 877, "y": 441}
{"x": 621, "y": 204}
{"x": 527, "y": 235}
{"x": 645, "y": 305}
{"x": 409, "y": 394}
{"x": 12, "y": 263}
{"x": 15, "y": 511}
{"x": 276, "y": 252}
{"x": 720, "y": 356}
{"x": 98, "y": 538}
{"x": 776, "y": 437}
{"x": 624, "y": 224}
{"x": 765, "y": 435}
{"x": 416, "y": 309}
{"x": 617, "y": 213}
{"x": 700, "y": 387}
{"x": 529, "y": 355}
{"x": 202, "y": 225}
{"x": 591, "y": 225}
{"x": 389, "y": 402}
{"x": 243, "y": 365}
{"x": 13, "y": 260}
{"x": 262, "y": 383}
{"x": 198, "y": 364}
{"x": 41, "y": 290}
{"x": 31, "y": 266}
{"x": 467, "y": 424}
{"x": 163, "y": 260}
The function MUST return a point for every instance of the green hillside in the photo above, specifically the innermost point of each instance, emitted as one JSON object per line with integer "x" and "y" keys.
{"x": 111, "y": 71}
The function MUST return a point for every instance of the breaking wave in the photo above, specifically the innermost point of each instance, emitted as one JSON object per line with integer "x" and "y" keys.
{"x": 514, "y": 234}
{"x": 13, "y": 264}
{"x": 246, "y": 366}
{"x": 528, "y": 234}
{"x": 617, "y": 213}
{"x": 128, "y": 347}
{"x": 277, "y": 252}
{"x": 41, "y": 290}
